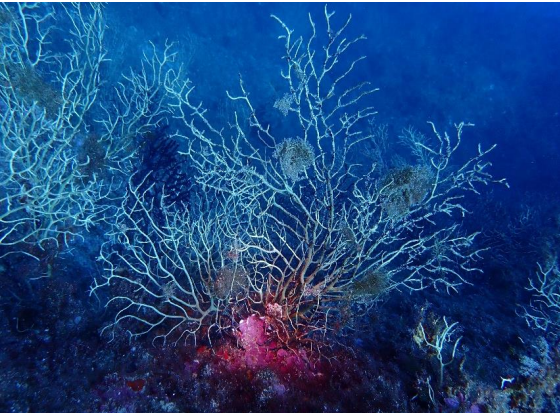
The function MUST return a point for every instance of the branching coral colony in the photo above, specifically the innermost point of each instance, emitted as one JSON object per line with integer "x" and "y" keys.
{"x": 57, "y": 176}
{"x": 299, "y": 232}
{"x": 291, "y": 229}
{"x": 45, "y": 99}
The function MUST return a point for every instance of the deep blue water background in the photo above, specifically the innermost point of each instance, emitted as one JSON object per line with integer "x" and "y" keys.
{"x": 495, "y": 65}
